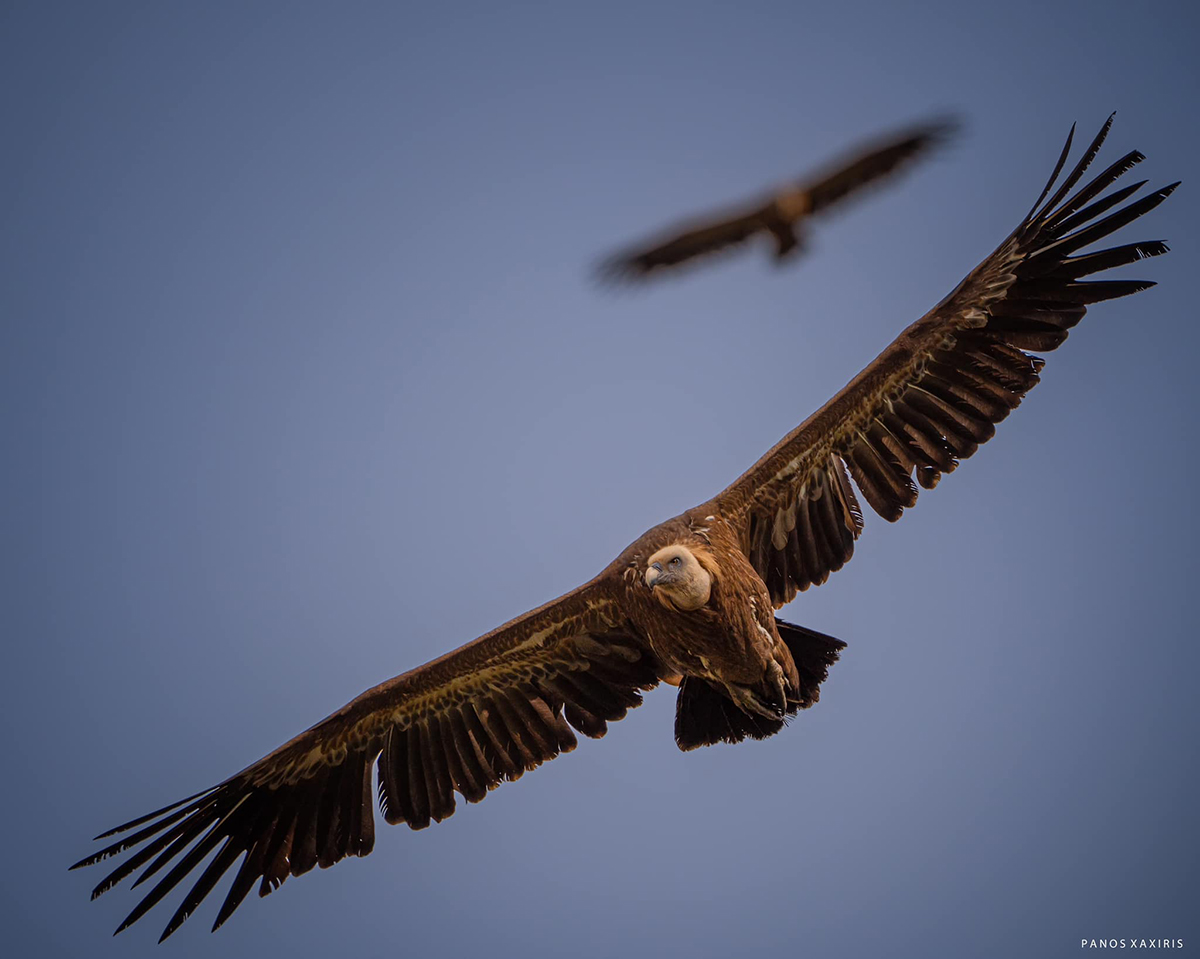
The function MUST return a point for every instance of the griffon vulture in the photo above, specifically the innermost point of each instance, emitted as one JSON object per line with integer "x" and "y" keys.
{"x": 689, "y": 602}
{"x": 782, "y": 214}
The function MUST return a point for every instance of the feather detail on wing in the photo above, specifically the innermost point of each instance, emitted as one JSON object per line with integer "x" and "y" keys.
{"x": 464, "y": 723}
{"x": 938, "y": 391}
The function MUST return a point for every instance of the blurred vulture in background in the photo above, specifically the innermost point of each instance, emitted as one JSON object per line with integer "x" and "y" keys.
{"x": 781, "y": 215}
{"x": 691, "y": 602}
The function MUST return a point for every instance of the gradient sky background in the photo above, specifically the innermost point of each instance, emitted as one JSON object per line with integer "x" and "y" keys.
{"x": 305, "y": 381}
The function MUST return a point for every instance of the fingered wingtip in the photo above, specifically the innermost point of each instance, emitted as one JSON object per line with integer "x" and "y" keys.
{"x": 171, "y": 927}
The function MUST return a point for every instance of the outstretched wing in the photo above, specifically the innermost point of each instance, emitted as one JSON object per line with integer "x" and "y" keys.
{"x": 873, "y": 162}
{"x": 687, "y": 241}
{"x": 938, "y": 390}
{"x": 715, "y": 232}
{"x": 480, "y": 715}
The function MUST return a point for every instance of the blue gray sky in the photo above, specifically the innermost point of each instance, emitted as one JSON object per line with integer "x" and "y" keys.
{"x": 305, "y": 381}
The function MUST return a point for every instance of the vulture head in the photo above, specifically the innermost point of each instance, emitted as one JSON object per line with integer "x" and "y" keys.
{"x": 678, "y": 577}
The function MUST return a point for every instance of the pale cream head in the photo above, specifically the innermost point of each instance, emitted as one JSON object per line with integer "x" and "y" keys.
{"x": 678, "y": 578}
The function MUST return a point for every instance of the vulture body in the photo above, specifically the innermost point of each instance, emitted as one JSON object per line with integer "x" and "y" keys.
{"x": 781, "y": 215}
{"x": 690, "y": 602}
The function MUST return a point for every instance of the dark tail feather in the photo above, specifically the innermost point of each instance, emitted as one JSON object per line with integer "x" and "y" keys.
{"x": 813, "y": 654}
{"x": 705, "y": 715}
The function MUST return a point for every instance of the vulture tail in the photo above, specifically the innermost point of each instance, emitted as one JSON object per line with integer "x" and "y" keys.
{"x": 813, "y": 654}
{"x": 704, "y": 713}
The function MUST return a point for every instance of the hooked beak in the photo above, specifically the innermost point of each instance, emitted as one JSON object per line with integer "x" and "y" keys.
{"x": 654, "y": 574}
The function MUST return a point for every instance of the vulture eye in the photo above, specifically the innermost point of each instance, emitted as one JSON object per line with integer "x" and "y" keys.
{"x": 675, "y": 562}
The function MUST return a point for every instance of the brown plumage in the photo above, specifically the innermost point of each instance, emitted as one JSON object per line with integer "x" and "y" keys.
{"x": 690, "y": 601}
{"x": 780, "y": 215}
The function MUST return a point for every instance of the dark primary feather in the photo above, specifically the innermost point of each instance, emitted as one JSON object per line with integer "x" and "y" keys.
{"x": 775, "y": 214}
{"x": 938, "y": 391}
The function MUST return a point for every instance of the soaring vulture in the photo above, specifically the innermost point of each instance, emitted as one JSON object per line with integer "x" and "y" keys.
{"x": 781, "y": 214}
{"x": 689, "y": 602}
